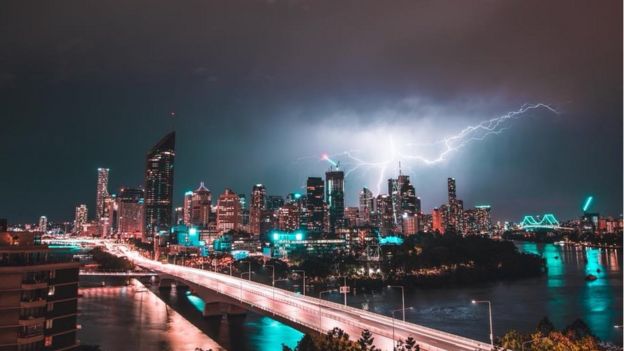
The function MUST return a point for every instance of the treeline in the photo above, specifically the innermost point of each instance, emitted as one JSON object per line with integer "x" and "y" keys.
{"x": 110, "y": 262}
{"x": 337, "y": 340}
{"x": 431, "y": 258}
{"x": 428, "y": 259}
{"x": 577, "y": 336}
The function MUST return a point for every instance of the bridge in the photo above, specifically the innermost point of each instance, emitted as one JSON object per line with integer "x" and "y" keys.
{"x": 548, "y": 221}
{"x": 225, "y": 294}
{"x": 129, "y": 274}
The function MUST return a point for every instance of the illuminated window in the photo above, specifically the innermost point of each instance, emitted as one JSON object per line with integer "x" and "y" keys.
{"x": 51, "y": 291}
{"x": 49, "y": 323}
{"x": 48, "y": 341}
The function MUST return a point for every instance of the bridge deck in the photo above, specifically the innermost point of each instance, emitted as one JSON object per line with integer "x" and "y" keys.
{"x": 309, "y": 312}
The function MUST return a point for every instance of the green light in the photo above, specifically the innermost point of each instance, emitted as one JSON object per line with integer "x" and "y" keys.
{"x": 483, "y": 206}
{"x": 297, "y": 196}
{"x": 188, "y": 193}
{"x": 299, "y": 236}
{"x": 588, "y": 202}
{"x": 275, "y": 235}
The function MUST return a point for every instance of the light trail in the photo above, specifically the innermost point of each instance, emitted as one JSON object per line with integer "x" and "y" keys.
{"x": 392, "y": 152}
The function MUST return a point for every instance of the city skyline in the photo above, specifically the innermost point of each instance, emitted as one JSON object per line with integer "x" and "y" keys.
{"x": 269, "y": 119}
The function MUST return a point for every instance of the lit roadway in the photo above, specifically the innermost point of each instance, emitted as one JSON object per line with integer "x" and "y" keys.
{"x": 300, "y": 311}
{"x": 305, "y": 311}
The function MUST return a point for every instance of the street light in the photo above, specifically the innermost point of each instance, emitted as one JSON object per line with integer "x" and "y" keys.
{"x": 320, "y": 313}
{"x": 241, "y": 283}
{"x": 304, "y": 283}
{"x": 249, "y": 268}
{"x": 490, "y": 313}
{"x": 272, "y": 278}
{"x": 402, "y": 297}
{"x": 393, "y": 312}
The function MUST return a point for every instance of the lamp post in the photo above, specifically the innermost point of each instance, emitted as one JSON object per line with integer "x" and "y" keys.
{"x": 241, "y": 283}
{"x": 320, "y": 313}
{"x": 489, "y": 303}
{"x": 402, "y": 297}
{"x": 393, "y": 312}
{"x": 272, "y": 278}
{"x": 304, "y": 280}
{"x": 248, "y": 268}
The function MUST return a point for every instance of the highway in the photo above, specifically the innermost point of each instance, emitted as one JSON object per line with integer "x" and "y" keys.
{"x": 305, "y": 311}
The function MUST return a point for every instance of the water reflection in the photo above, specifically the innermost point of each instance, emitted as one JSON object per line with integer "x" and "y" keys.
{"x": 133, "y": 318}
{"x": 240, "y": 333}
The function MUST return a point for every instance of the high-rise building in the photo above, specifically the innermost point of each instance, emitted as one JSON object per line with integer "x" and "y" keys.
{"x": 39, "y": 293}
{"x": 244, "y": 212}
{"x": 437, "y": 222}
{"x": 410, "y": 224}
{"x": 452, "y": 190}
{"x": 258, "y": 206}
{"x": 228, "y": 212}
{"x": 107, "y": 224}
{"x": 384, "y": 213}
{"x": 315, "y": 192}
{"x": 288, "y": 217}
{"x": 102, "y": 192}
{"x": 274, "y": 202}
{"x": 159, "y": 186}
{"x": 80, "y": 219}
{"x": 366, "y": 205}
{"x": 351, "y": 216}
{"x": 187, "y": 208}
{"x": 454, "y": 220}
{"x": 334, "y": 194}
{"x": 483, "y": 218}
{"x": 130, "y": 213}
{"x": 201, "y": 202}
{"x": 43, "y": 224}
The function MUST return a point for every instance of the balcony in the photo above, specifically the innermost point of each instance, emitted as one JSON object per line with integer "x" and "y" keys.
{"x": 34, "y": 285}
{"x": 29, "y": 339}
{"x": 30, "y": 321}
{"x": 41, "y": 302}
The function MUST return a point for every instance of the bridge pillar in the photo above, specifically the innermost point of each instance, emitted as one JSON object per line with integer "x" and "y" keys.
{"x": 164, "y": 283}
{"x": 215, "y": 308}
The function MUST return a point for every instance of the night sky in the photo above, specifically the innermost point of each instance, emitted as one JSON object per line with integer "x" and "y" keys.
{"x": 262, "y": 88}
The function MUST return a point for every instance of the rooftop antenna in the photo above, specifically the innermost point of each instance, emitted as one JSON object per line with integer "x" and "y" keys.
{"x": 172, "y": 115}
{"x": 400, "y": 168}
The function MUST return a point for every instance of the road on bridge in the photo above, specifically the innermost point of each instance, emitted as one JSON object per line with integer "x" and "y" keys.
{"x": 305, "y": 311}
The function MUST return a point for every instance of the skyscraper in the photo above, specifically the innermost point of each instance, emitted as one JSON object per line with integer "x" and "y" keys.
{"x": 258, "y": 205}
{"x": 228, "y": 212}
{"x": 366, "y": 205}
{"x": 187, "y": 207}
{"x": 130, "y": 213}
{"x": 201, "y": 202}
{"x": 334, "y": 193}
{"x": 454, "y": 218}
{"x": 102, "y": 192}
{"x": 43, "y": 224}
{"x": 315, "y": 192}
{"x": 80, "y": 218}
{"x": 159, "y": 186}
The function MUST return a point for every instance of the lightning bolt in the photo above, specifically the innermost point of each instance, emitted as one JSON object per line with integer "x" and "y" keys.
{"x": 445, "y": 147}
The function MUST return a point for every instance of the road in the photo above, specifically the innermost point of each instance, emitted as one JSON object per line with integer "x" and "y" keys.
{"x": 305, "y": 311}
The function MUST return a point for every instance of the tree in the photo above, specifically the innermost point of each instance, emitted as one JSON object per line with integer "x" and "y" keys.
{"x": 545, "y": 326}
{"x": 512, "y": 340}
{"x": 578, "y": 330}
{"x": 365, "y": 342}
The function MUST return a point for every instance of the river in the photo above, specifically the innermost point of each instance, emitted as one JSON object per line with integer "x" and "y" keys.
{"x": 562, "y": 294}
